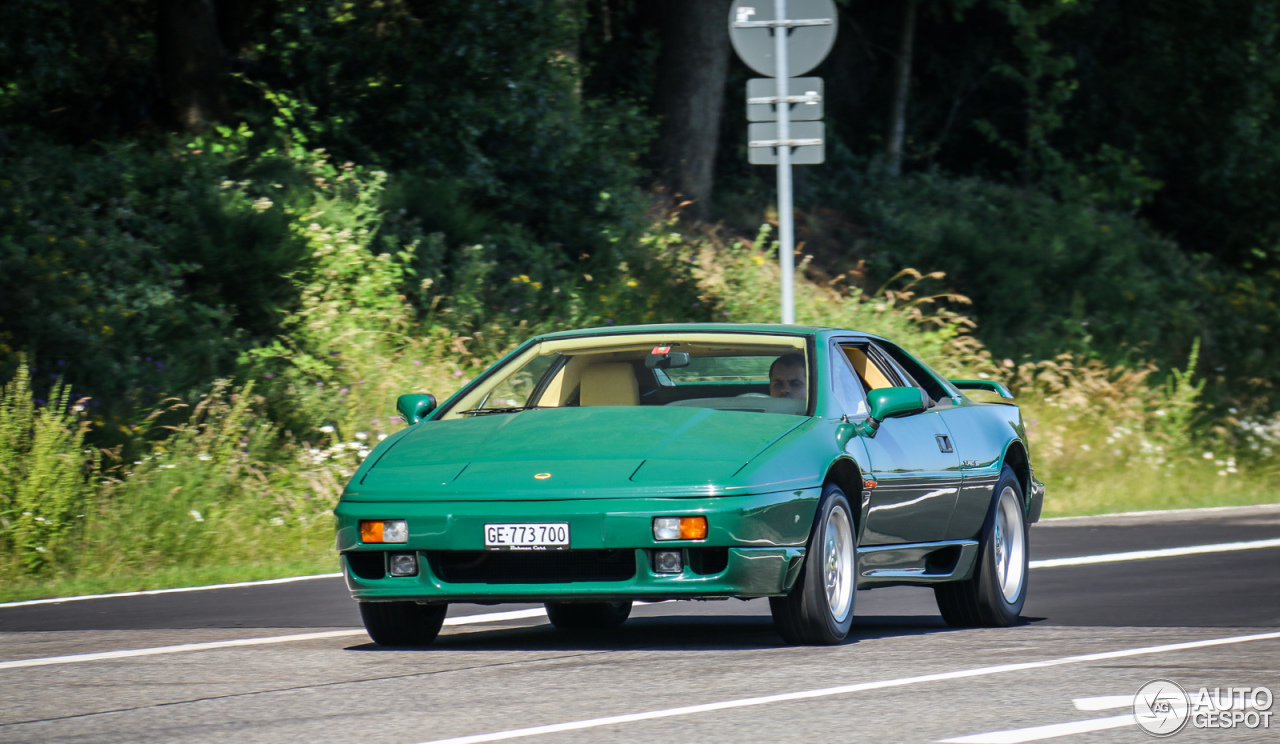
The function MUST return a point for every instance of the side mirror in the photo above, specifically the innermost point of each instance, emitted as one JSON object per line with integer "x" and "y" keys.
{"x": 891, "y": 402}
{"x": 415, "y": 407}
{"x": 897, "y": 401}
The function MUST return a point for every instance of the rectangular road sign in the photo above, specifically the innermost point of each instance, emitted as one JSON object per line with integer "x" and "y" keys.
{"x": 804, "y": 95}
{"x": 807, "y": 143}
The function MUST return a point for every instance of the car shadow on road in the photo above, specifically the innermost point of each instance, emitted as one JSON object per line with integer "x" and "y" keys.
{"x": 663, "y": 633}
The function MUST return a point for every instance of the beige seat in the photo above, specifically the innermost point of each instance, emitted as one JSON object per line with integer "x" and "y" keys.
{"x": 611, "y": 384}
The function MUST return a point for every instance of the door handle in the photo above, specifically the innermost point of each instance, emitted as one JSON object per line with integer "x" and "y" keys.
{"x": 944, "y": 443}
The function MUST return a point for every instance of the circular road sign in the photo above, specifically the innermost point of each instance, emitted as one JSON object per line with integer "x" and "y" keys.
{"x": 806, "y": 45}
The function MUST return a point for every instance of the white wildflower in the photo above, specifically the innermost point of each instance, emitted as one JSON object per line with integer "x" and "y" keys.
{"x": 196, "y": 515}
{"x": 277, "y": 522}
{"x": 327, "y": 428}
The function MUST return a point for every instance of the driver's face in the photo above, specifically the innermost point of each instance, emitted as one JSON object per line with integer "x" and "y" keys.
{"x": 788, "y": 382}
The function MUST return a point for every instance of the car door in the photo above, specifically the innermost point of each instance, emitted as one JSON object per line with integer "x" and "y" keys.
{"x": 914, "y": 465}
{"x": 979, "y": 440}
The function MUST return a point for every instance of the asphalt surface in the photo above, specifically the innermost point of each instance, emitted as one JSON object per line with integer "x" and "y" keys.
{"x": 489, "y": 677}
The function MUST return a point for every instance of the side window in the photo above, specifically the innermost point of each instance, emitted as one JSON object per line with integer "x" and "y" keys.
{"x": 873, "y": 373}
{"x": 920, "y": 376}
{"x": 850, "y": 396}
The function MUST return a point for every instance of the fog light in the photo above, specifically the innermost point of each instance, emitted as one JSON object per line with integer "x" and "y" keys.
{"x": 384, "y": 531}
{"x": 667, "y": 561}
{"x": 402, "y": 564}
{"x": 680, "y": 528}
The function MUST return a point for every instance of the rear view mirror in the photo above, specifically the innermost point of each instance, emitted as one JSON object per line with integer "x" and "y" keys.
{"x": 668, "y": 360}
{"x": 416, "y": 406}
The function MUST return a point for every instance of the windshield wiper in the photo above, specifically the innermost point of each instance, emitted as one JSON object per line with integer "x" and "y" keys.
{"x": 489, "y": 411}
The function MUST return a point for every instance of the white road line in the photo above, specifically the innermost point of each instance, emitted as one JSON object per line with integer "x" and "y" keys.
{"x": 1197, "y": 511}
{"x": 488, "y": 617}
{"x": 1142, "y": 555}
{"x": 1103, "y": 702}
{"x": 266, "y": 582}
{"x": 844, "y": 690}
{"x": 1036, "y": 733}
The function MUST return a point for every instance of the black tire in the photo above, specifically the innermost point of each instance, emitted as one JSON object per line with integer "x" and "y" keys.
{"x": 993, "y": 597}
{"x": 805, "y": 616}
{"x": 402, "y": 623}
{"x": 588, "y": 615}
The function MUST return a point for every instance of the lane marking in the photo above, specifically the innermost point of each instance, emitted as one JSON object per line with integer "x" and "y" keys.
{"x": 488, "y": 617}
{"x": 590, "y": 723}
{"x": 1036, "y": 733}
{"x": 1103, "y": 702}
{"x": 1142, "y": 555}
{"x": 1205, "y": 510}
{"x": 236, "y": 585}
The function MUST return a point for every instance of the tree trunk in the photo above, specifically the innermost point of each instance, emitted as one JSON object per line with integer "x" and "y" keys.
{"x": 193, "y": 63}
{"x": 693, "y": 66}
{"x": 901, "y": 89}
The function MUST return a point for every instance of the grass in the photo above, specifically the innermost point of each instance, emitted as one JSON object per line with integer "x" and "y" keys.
{"x": 320, "y": 561}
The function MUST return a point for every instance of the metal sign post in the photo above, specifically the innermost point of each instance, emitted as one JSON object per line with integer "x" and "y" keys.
{"x": 771, "y": 140}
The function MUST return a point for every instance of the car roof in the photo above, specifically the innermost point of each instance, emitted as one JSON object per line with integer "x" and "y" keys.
{"x": 795, "y": 330}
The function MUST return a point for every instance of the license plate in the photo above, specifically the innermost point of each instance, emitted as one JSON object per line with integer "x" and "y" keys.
{"x": 552, "y": 536}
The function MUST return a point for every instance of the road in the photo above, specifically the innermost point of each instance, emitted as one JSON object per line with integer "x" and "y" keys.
{"x": 287, "y": 662}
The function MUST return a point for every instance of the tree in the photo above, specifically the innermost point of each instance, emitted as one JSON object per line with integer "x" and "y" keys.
{"x": 693, "y": 66}
{"x": 193, "y": 62}
{"x": 901, "y": 88}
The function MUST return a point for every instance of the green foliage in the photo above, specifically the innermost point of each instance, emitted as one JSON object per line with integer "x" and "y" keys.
{"x": 495, "y": 105}
{"x": 1044, "y": 276}
{"x": 745, "y": 281}
{"x": 44, "y": 468}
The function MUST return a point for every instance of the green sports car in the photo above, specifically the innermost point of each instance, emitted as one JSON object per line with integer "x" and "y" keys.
{"x": 590, "y": 469}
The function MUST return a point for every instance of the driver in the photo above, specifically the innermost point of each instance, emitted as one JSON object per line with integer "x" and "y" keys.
{"x": 787, "y": 377}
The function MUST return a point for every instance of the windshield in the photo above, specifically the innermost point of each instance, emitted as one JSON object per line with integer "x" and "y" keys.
{"x": 725, "y": 371}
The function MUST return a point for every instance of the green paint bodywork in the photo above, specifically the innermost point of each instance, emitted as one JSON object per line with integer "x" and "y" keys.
{"x": 757, "y": 477}
{"x": 990, "y": 386}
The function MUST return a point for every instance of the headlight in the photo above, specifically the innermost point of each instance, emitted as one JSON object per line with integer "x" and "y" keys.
{"x": 680, "y": 528}
{"x": 384, "y": 531}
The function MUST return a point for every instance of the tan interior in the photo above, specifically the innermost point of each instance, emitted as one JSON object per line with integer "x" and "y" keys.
{"x": 609, "y": 384}
{"x": 868, "y": 371}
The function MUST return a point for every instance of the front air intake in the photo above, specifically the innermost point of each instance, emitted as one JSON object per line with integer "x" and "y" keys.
{"x": 531, "y": 567}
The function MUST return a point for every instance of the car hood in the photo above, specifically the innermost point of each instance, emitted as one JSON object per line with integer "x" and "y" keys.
{"x": 570, "y": 453}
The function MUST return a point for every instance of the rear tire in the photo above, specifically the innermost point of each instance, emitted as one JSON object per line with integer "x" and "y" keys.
{"x": 588, "y": 615}
{"x": 402, "y": 623}
{"x": 994, "y": 596}
{"x": 818, "y": 611}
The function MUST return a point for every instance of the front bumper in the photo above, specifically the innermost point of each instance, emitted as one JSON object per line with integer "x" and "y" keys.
{"x": 763, "y": 535}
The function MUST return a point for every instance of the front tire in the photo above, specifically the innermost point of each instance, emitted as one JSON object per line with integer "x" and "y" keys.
{"x": 818, "y": 610}
{"x": 588, "y": 615}
{"x": 402, "y": 623}
{"x": 994, "y": 596}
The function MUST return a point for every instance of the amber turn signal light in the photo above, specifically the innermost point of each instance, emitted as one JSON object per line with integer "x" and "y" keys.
{"x": 693, "y": 528}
